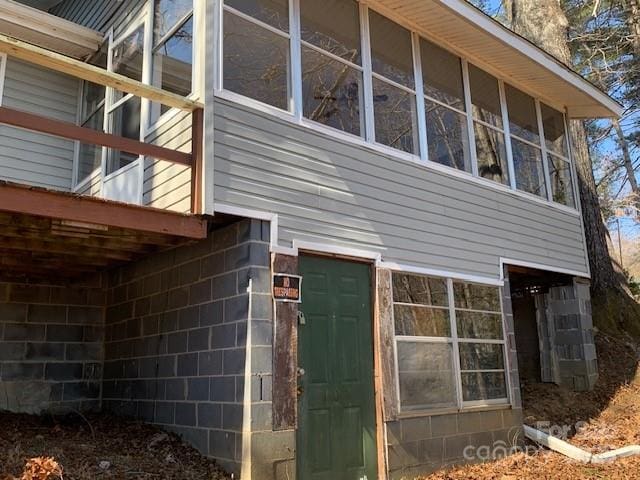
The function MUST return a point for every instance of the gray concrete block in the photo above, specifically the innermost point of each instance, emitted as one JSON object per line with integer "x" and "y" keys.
{"x": 444, "y": 425}
{"x": 222, "y": 444}
{"x": 222, "y": 389}
{"x": 261, "y": 360}
{"x": 178, "y": 342}
{"x": 233, "y": 361}
{"x": 249, "y": 230}
{"x": 176, "y": 389}
{"x": 29, "y": 293}
{"x": 225, "y": 286}
{"x": 198, "y": 339}
{"x": 417, "y": 428}
{"x": 21, "y": 371}
{"x": 454, "y": 446}
{"x": 274, "y": 445}
{"x": 164, "y": 412}
{"x": 150, "y": 325}
{"x": 223, "y": 336}
{"x": 210, "y": 363}
{"x": 178, "y": 298}
{"x": 261, "y": 307}
{"x": 12, "y": 351}
{"x": 64, "y": 333}
{"x": 79, "y": 390}
{"x": 200, "y": 292}
{"x": 189, "y": 272}
{"x": 232, "y": 416}
{"x": 260, "y": 279}
{"x": 261, "y": 417}
{"x": 236, "y": 308}
{"x": 167, "y": 366}
{"x": 185, "y": 413}
{"x": 210, "y": 415}
{"x": 13, "y": 312}
{"x": 86, "y": 315}
{"x": 211, "y": 313}
{"x": 15, "y": 332}
{"x": 145, "y": 411}
{"x": 432, "y": 450}
{"x": 63, "y": 371}
{"x": 198, "y": 389}
{"x": 212, "y": 265}
{"x": 187, "y": 365}
{"x": 84, "y": 351}
{"x": 261, "y": 333}
{"x": 512, "y": 417}
{"x": 196, "y": 437}
{"x": 189, "y": 318}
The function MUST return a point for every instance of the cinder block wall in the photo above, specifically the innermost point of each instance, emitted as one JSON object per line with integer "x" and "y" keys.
{"x": 51, "y": 346}
{"x": 176, "y": 331}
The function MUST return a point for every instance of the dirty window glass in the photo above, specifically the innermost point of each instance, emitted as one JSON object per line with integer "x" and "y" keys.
{"x": 523, "y": 119}
{"x": 441, "y": 75}
{"x": 554, "y": 133}
{"x": 491, "y": 154}
{"x": 485, "y": 96}
{"x": 527, "y": 163}
{"x": 391, "y": 51}
{"x": 560, "y": 176}
{"x": 127, "y": 56}
{"x": 394, "y": 111}
{"x": 271, "y": 12}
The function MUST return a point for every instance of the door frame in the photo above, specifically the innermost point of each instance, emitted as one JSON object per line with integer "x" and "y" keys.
{"x": 381, "y": 450}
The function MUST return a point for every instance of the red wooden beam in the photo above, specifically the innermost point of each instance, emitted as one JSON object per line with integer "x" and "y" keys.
{"x": 18, "y": 118}
{"x": 79, "y": 208}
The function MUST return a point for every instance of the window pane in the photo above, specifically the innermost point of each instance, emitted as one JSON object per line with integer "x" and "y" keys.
{"x": 481, "y": 356}
{"x": 256, "y": 62}
{"x": 272, "y": 12}
{"x": 419, "y": 321}
{"x": 476, "y": 297}
{"x": 126, "y": 57}
{"x": 527, "y": 163}
{"x": 561, "y": 186}
{"x": 172, "y": 62}
{"x": 331, "y": 92}
{"x": 523, "y": 120}
{"x": 442, "y": 75}
{"x": 448, "y": 137}
{"x": 554, "y": 134}
{"x": 491, "y": 153}
{"x": 483, "y": 386}
{"x": 479, "y": 325}
{"x": 166, "y": 15}
{"x": 125, "y": 122}
{"x": 391, "y": 51}
{"x": 420, "y": 289}
{"x": 90, "y": 156}
{"x": 93, "y": 95}
{"x": 395, "y": 117}
{"x": 485, "y": 96}
{"x": 333, "y": 25}
{"x": 426, "y": 375}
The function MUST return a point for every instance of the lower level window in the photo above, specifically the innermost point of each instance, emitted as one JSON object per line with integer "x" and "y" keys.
{"x": 450, "y": 346}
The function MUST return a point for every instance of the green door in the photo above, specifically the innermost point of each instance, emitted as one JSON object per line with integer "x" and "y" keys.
{"x": 336, "y": 423}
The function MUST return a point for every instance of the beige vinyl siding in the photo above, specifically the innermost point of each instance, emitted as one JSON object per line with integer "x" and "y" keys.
{"x": 29, "y": 157}
{"x": 330, "y": 191}
{"x": 93, "y": 185}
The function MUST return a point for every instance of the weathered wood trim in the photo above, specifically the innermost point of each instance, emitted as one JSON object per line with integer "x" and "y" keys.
{"x": 197, "y": 159}
{"x": 66, "y": 206}
{"x": 61, "y": 63}
{"x": 285, "y": 353}
{"x": 387, "y": 355}
{"x": 378, "y": 383}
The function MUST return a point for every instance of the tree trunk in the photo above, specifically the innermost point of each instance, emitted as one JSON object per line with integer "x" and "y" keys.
{"x": 633, "y": 12}
{"x": 545, "y": 24}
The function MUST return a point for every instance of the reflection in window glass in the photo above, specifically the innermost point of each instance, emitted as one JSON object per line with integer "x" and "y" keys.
{"x": 527, "y": 163}
{"x": 332, "y": 25}
{"x": 124, "y": 122}
{"x": 256, "y": 62}
{"x": 485, "y": 96}
{"x": 391, "y": 50}
{"x": 426, "y": 375}
{"x": 561, "y": 186}
{"x": 418, "y": 320}
{"x": 395, "y": 117}
{"x": 167, "y": 13}
{"x": 491, "y": 154}
{"x": 127, "y": 56}
{"x": 474, "y": 296}
{"x": 272, "y": 12}
{"x": 481, "y": 356}
{"x": 554, "y": 134}
{"x": 172, "y": 62}
{"x": 447, "y": 136}
{"x": 331, "y": 92}
{"x": 523, "y": 119}
{"x": 441, "y": 75}
{"x": 419, "y": 289}
{"x": 90, "y": 156}
{"x": 483, "y": 386}
{"x": 483, "y": 325}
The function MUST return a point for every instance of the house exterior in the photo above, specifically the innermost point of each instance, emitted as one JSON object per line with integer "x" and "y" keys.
{"x": 318, "y": 240}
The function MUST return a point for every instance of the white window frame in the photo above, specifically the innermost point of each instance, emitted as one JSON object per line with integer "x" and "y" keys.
{"x": 156, "y": 120}
{"x": 294, "y": 116}
{"x": 3, "y": 71}
{"x": 454, "y": 341}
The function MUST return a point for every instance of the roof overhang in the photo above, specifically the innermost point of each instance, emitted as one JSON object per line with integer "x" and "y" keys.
{"x": 488, "y": 44}
{"x": 48, "y": 31}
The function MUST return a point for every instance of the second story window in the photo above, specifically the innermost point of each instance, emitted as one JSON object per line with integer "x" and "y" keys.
{"x": 256, "y": 50}
{"x": 172, "y": 49}
{"x": 556, "y": 142}
{"x": 332, "y": 92}
{"x": 394, "y": 103}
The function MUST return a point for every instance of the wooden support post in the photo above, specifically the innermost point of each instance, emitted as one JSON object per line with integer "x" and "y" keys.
{"x": 197, "y": 149}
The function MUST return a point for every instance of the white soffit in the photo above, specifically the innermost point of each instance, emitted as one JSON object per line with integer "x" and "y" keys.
{"x": 47, "y": 31}
{"x": 483, "y": 41}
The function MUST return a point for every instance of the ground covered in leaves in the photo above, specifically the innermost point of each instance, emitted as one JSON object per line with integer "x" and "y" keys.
{"x": 95, "y": 447}
{"x": 598, "y": 421}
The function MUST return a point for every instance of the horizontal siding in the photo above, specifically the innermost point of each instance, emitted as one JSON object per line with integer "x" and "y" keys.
{"x": 99, "y": 15}
{"x": 29, "y": 157}
{"x": 167, "y": 185}
{"x": 329, "y": 191}
{"x": 93, "y": 185}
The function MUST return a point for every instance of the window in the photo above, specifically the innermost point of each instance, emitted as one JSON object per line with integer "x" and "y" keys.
{"x": 525, "y": 142}
{"x": 172, "y": 52}
{"x": 92, "y": 116}
{"x": 556, "y": 142}
{"x": 256, "y": 50}
{"x": 123, "y": 111}
{"x": 359, "y": 72}
{"x": 487, "y": 126}
{"x": 394, "y": 102}
{"x": 332, "y": 91}
{"x": 447, "y": 355}
{"x": 446, "y": 118}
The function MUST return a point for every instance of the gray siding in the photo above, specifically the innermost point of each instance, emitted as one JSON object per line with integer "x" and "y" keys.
{"x": 329, "y": 191}
{"x": 29, "y": 157}
{"x": 96, "y": 14}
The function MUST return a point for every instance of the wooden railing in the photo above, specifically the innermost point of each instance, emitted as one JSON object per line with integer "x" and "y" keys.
{"x": 84, "y": 71}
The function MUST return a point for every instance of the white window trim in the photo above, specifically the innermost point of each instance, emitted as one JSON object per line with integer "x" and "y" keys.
{"x": 368, "y": 139}
{"x": 461, "y": 405}
{"x": 3, "y": 71}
